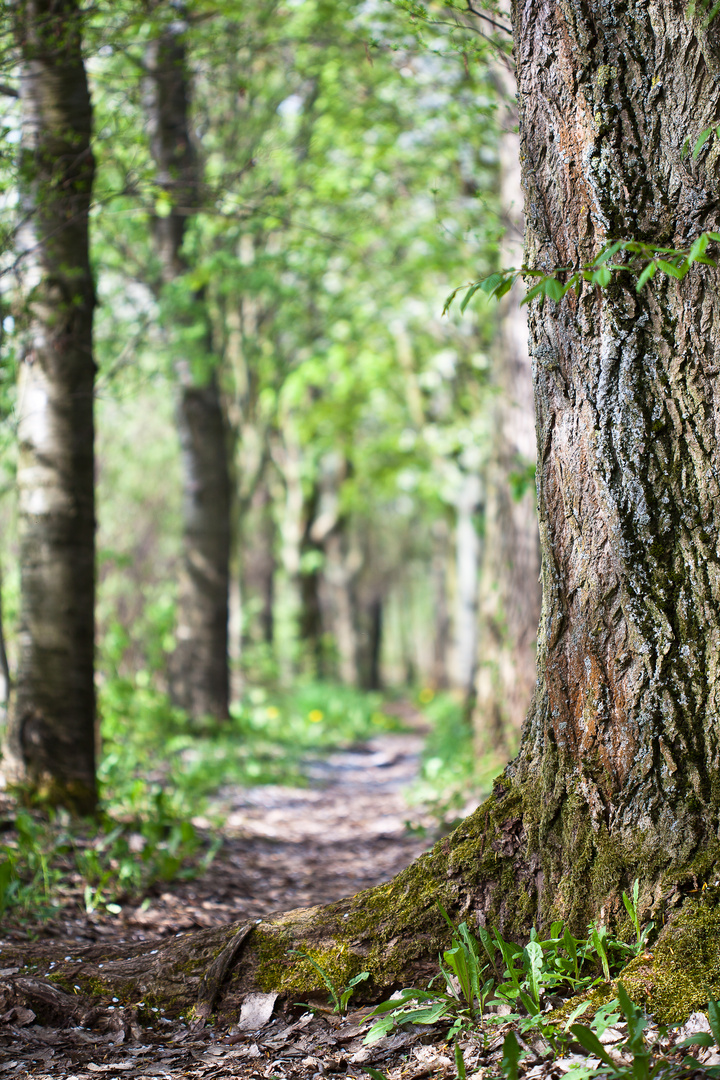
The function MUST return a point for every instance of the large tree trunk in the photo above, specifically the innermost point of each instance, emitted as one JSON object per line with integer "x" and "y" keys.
{"x": 617, "y": 772}
{"x": 200, "y": 675}
{"x": 51, "y": 739}
{"x": 624, "y": 732}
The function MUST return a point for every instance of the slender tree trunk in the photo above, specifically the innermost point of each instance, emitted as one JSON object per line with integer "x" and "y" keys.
{"x": 4, "y": 667}
{"x": 312, "y": 629}
{"x": 341, "y": 563}
{"x": 339, "y": 602}
{"x": 439, "y": 570}
{"x": 258, "y": 568}
{"x": 287, "y": 457}
{"x": 51, "y": 740}
{"x": 467, "y": 558}
{"x": 509, "y": 605}
{"x": 199, "y": 675}
{"x": 372, "y": 670}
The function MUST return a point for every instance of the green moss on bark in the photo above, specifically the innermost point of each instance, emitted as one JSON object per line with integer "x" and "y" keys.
{"x": 683, "y": 970}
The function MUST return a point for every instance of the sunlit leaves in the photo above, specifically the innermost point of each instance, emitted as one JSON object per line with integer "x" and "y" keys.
{"x": 641, "y": 260}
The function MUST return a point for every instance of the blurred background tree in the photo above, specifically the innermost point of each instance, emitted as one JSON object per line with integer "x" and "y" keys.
{"x": 285, "y": 195}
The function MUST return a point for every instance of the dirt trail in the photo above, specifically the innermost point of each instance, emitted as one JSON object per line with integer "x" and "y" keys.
{"x": 282, "y": 848}
{"x": 293, "y": 847}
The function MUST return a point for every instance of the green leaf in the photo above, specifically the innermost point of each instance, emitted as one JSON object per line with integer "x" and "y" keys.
{"x": 428, "y": 1015}
{"x": 449, "y": 299}
{"x": 488, "y": 284}
{"x": 699, "y": 247}
{"x": 629, "y": 906}
{"x": 459, "y": 1062}
{"x": 536, "y": 290}
{"x": 597, "y": 934}
{"x": 553, "y": 288}
{"x": 374, "y": 1073}
{"x": 468, "y": 296}
{"x": 714, "y": 1019}
{"x": 608, "y": 252}
{"x": 534, "y": 953}
{"x": 645, "y": 276}
{"x": 379, "y": 1029}
{"x": 504, "y": 287}
{"x": 528, "y": 1004}
{"x": 602, "y": 277}
{"x": 403, "y": 997}
{"x": 700, "y": 1038}
{"x": 701, "y": 140}
{"x": 578, "y": 1011}
{"x": 510, "y": 1056}
{"x": 571, "y": 284}
{"x": 635, "y": 1019}
{"x": 670, "y": 269}
{"x": 590, "y": 1042}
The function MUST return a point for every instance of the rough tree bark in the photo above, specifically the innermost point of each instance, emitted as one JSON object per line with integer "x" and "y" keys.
{"x": 51, "y": 737}
{"x": 200, "y": 671}
{"x": 617, "y": 774}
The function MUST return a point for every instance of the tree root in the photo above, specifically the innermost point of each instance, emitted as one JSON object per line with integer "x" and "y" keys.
{"x": 490, "y": 871}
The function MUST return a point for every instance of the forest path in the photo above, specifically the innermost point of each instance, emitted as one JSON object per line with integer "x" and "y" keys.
{"x": 282, "y": 848}
{"x": 286, "y": 847}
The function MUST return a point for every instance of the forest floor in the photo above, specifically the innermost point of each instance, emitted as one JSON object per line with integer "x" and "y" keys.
{"x": 282, "y": 848}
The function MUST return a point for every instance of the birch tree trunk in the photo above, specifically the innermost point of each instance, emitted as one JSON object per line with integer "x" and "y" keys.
{"x": 51, "y": 737}
{"x": 441, "y": 621}
{"x": 199, "y": 675}
{"x": 466, "y": 503}
{"x": 342, "y": 563}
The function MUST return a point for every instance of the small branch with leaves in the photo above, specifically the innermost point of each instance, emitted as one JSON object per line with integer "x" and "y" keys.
{"x": 643, "y": 260}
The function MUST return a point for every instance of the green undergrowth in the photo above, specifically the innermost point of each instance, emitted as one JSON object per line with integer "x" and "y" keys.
{"x": 452, "y": 771}
{"x": 488, "y": 988}
{"x": 158, "y": 774}
{"x": 268, "y": 739}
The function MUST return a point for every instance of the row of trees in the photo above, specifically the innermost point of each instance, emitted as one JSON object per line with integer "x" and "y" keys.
{"x": 617, "y": 773}
{"x": 278, "y": 200}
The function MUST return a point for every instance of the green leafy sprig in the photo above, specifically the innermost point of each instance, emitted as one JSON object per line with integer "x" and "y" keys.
{"x": 644, "y": 260}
